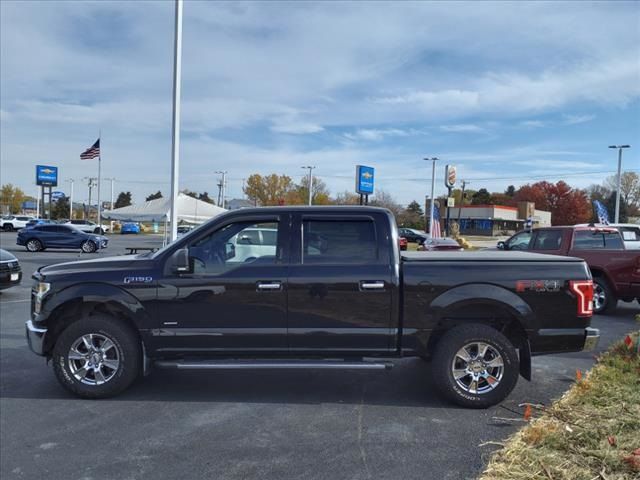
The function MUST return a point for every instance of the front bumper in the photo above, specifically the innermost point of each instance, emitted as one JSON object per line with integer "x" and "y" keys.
{"x": 35, "y": 338}
{"x": 591, "y": 339}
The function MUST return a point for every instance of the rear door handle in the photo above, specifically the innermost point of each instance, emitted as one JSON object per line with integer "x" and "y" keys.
{"x": 372, "y": 285}
{"x": 271, "y": 286}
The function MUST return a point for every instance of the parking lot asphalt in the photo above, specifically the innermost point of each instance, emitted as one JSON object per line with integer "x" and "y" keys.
{"x": 251, "y": 424}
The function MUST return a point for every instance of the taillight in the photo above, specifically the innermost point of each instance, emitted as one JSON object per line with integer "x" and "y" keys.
{"x": 584, "y": 292}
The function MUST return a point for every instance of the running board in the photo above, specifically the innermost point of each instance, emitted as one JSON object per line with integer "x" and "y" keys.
{"x": 273, "y": 364}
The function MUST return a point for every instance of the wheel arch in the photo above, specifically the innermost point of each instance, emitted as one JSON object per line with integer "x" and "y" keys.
{"x": 77, "y": 302}
{"x": 490, "y": 305}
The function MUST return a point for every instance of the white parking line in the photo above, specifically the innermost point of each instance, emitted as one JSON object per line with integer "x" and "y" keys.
{"x": 14, "y": 301}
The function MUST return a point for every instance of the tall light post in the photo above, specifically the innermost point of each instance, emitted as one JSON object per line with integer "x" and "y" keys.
{"x": 71, "y": 199}
{"x": 223, "y": 186}
{"x": 310, "y": 181}
{"x": 433, "y": 186}
{"x": 619, "y": 147}
{"x": 175, "y": 126}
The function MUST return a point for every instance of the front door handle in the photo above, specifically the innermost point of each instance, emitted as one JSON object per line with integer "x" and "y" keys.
{"x": 270, "y": 286}
{"x": 372, "y": 285}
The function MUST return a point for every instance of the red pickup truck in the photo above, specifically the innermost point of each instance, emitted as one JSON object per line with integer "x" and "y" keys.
{"x": 615, "y": 270}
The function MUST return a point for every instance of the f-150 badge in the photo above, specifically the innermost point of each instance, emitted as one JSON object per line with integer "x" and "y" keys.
{"x": 538, "y": 285}
{"x": 138, "y": 279}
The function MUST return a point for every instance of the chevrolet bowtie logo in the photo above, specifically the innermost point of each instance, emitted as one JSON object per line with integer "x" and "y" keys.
{"x": 47, "y": 170}
{"x": 367, "y": 175}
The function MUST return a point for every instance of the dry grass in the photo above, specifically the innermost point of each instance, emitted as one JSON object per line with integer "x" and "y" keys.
{"x": 592, "y": 432}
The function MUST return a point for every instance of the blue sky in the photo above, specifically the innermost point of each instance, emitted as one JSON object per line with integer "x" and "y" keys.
{"x": 511, "y": 93}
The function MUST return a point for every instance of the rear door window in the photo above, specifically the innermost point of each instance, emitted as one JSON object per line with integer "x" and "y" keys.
{"x": 597, "y": 240}
{"x": 339, "y": 242}
{"x": 548, "y": 240}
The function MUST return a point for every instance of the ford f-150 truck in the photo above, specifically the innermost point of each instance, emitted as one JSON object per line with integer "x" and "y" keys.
{"x": 333, "y": 291}
{"x": 615, "y": 270}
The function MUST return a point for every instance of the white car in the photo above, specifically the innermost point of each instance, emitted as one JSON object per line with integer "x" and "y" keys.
{"x": 88, "y": 226}
{"x": 630, "y": 233}
{"x": 14, "y": 222}
{"x": 254, "y": 243}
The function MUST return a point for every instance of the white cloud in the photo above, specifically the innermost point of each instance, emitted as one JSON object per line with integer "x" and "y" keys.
{"x": 576, "y": 119}
{"x": 532, "y": 124}
{"x": 462, "y": 128}
{"x": 377, "y": 134}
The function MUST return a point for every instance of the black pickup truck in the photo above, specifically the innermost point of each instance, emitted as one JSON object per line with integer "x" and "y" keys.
{"x": 309, "y": 288}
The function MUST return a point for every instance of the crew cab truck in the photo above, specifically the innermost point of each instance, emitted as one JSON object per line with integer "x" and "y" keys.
{"x": 332, "y": 292}
{"x": 615, "y": 269}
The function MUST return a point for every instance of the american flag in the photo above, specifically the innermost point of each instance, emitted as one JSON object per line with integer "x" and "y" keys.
{"x": 91, "y": 152}
{"x": 436, "y": 222}
{"x": 601, "y": 212}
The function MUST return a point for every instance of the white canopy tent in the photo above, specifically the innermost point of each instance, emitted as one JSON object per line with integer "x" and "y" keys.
{"x": 190, "y": 210}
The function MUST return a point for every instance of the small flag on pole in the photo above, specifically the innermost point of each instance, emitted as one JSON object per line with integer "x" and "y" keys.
{"x": 91, "y": 152}
{"x": 436, "y": 221}
{"x": 601, "y": 212}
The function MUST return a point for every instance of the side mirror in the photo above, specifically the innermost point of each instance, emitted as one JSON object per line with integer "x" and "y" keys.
{"x": 229, "y": 250}
{"x": 180, "y": 261}
{"x": 501, "y": 245}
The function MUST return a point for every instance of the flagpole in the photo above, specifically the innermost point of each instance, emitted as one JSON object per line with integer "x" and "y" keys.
{"x": 175, "y": 147}
{"x": 99, "y": 182}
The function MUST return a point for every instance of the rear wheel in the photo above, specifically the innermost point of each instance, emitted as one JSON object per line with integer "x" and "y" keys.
{"x": 97, "y": 357}
{"x": 98, "y": 230}
{"x": 7, "y": 227}
{"x": 89, "y": 247}
{"x": 604, "y": 300}
{"x": 34, "y": 245}
{"x": 475, "y": 366}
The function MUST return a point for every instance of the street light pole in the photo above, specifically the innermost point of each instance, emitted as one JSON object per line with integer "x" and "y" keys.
{"x": 619, "y": 147}
{"x": 71, "y": 200}
{"x": 223, "y": 187}
{"x": 310, "y": 181}
{"x": 433, "y": 186}
{"x": 464, "y": 184}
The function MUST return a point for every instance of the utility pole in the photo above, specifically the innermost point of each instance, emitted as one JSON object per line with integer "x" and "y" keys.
{"x": 464, "y": 184}
{"x": 310, "y": 167}
{"x": 433, "y": 186}
{"x": 90, "y": 184}
{"x": 619, "y": 147}
{"x": 222, "y": 188}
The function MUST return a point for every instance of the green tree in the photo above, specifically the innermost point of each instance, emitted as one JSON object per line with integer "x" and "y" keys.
{"x": 481, "y": 197}
{"x": 12, "y": 197}
{"x": 299, "y": 195}
{"x": 269, "y": 189}
{"x": 204, "y": 196}
{"x": 412, "y": 216}
{"x": 510, "y": 191}
{"x": 154, "y": 196}
{"x": 611, "y": 208}
{"x": 60, "y": 208}
{"x": 123, "y": 200}
{"x": 347, "y": 198}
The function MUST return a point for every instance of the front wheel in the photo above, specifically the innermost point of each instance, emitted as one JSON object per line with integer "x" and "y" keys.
{"x": 34, "y": 245}
{"x": 97, "y": 357}
{"x": 475, "y": 366}
{"x": 89, "y": 247}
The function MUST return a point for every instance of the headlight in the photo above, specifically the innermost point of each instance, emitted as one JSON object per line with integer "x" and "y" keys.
{"x": 40, "y": 291}
{"x": 42, "y": 288}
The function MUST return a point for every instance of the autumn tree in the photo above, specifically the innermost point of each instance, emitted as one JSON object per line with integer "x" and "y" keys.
{"x": 269, "y": 189}
{"x": 154, "y": 196}
{"x": 386, "y": 200}
{"x": 567, "y": 205}
{"x": 12, "y": 197}
{"x": 347, "y": 198}
{"x": 610, "y": 203}
{"x": 123, "y": 200}
{"x": 629, "y": 188}
{"x": 412, "y": 216}
{"x": 299, "y": 194}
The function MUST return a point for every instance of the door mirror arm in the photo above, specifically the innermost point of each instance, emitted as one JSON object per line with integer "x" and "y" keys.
{"x": 179, "y": 261}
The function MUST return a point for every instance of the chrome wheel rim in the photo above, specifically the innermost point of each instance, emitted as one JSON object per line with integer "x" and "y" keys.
{"x": 86, "y": 247}
{"x": 32, "y": 245}
{"x": 599, "y": 297}
{"x": 477, "y": 368}
{"x": 93, "y": 359}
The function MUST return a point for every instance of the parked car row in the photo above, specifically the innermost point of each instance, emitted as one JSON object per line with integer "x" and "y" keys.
{"x": 17, "y": 222}
{"x": 41, "y": 237}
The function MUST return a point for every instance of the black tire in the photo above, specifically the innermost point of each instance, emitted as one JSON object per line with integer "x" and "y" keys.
{"x": 125, "y": 344}
{"x": 89, "y": 247}
{"x": 33, "y": 245}
{"x": 7, "y": 227}
{"x": 446, "y": 353}
{"x": 604, "y": 301}
{"x": 98, "y": 231}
